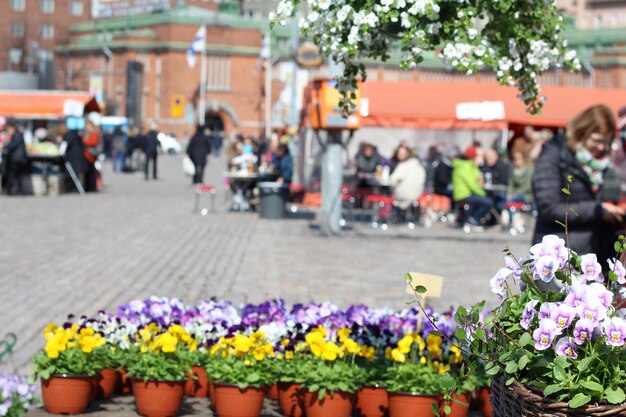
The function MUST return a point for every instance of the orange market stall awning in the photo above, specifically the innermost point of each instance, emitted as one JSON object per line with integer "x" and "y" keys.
{"x": 433, "y": 105}
{"x": 50, "y": 105}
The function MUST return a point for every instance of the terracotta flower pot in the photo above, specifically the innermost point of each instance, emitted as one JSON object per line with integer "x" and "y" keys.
{"x": 232, "y": 401}
{"x": 272, "y": 393}
{"x": 124, "y": 384}
{"x": 372, "y": 402}
{"x": 107, "y": 384}
{"x": 456, "y": 409}
{"x": 339, "y": 404}
{"x": 411, "y": 405}
{"x": 198, "y": 387}
{"x": 66, "y": 394}
{"x": 212, "y": 394}
{"x": 158, "y": 398}
{"x": 291, "y": 399}
{"x": 485, "y": 397}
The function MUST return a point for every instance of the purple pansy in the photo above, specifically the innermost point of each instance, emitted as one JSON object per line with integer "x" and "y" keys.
{"x": 529, "y": 313}
{"x": 498, "y": 282}
{"x": 596, "y": 291}
{"x": 563, "y": 315}
{"x": 545, "y": 334}
{"x": 583, "y": 331}
{"x": 575, "y": 295}
{"x": 566, "y": 347}
{"x": 615, "y": 331}
{"x": 618, "y": 268}
{"x": 545, "y": 267}
{"x": 514, "y": 266}
{"x": 552, "y": 246}
{"x": 591, "y": 268}
{"x": 593, "y": 310}
{"x": 546, "y": 309}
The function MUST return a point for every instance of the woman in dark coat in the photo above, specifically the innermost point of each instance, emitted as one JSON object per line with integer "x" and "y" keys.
{"x": 75, "y": 154}
{"x": 583, "y": 154}
{"x": 198, "y": 149}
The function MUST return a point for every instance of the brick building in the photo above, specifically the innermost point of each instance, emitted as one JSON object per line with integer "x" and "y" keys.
{"x": 169, "y": 88}
{"x": 30, "y": 29}
{"x": 595, "y": 14}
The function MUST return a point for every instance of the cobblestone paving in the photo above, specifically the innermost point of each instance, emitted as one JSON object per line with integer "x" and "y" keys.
{"x": 83, "y": 253}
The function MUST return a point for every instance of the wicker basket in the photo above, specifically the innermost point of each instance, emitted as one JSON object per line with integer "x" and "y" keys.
{"x": 516, "y": 400}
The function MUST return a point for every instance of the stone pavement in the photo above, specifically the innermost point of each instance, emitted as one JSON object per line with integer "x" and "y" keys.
{"x": 135, "y": 239}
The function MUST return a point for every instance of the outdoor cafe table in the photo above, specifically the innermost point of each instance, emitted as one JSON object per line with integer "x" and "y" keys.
{"x": 241, "y": 183}
{"x": 48, "y": 160}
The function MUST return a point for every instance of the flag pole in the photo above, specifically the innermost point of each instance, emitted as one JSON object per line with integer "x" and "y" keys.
{"x": 203, "y": 75}
{"x": 268, "y": 88}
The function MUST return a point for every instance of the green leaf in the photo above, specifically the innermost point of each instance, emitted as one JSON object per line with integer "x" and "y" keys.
{"x": 460, "y": 333}
{"x": 523, "y": 361}
{"x": 436, "y": 333}
{"x": 493, "y": 370}
{"x": 435, "y": 409}
{"x": 447, "y": 409}
{"x": 526, "y": 339}
{"x": 559, "y": 373}
{"x": 579, "y": 400}
{"x": 615, "y": 395}
{"x": 420, "y": 289}
{"x": 565, "y": 191}
{"x": 592, "y": 386}
{"x": 574, "y": 211}
{"x": 562, "y": 361}
{"x": 551, "y": 389}
{"x": 511, "y": 367}
{"x": 407, "y": 278}
{"x": 584, "y": 363}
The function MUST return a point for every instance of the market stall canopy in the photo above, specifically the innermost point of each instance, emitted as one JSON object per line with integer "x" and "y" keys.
{"x": 47, "y": 104}
{"x": 473, "y": 105}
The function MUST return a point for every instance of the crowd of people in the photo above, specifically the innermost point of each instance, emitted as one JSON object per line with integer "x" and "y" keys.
{"x": 486, "y": 184}
{"x": 81, "y": 148}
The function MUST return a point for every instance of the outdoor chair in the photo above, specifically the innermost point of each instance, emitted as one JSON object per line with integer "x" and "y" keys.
{"x": 519, "y": 216}
{"x": 382, "y": 209}
{"x": 201, "y": 189}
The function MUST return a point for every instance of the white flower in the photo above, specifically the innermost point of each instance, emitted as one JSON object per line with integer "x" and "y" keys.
{"x": 324, "y": 4}
{"x": 343, "y": 13}
{"x": 371, "y": 19}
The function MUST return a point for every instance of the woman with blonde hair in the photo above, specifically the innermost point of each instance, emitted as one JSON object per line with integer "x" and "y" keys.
{"x": 582, "y": 154}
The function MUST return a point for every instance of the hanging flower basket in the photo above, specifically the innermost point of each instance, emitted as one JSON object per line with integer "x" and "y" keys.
{"x": 517, "y": 400}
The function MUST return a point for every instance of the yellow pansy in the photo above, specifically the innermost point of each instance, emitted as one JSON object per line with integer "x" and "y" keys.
{"x": 423, "y": 360}
{"x": 247, "y": 362}
{"x": 192, "y": 345}
{"x": 420, "y": 343}
{"x": 242, "y": 344}
{"x": 330, "y": 351}
{"x": 388, "y": 353}
{"x": 284, "y": 342}
{"x": 49, "y": 331}
{"x": 288, "y": 355}
{"x": 404, "y": 345}
{"x": 317, "y": 348}
{"x": 343, "y": 333}
{"x": 398, "y": 356}
{"x": 368, "y": 352}
{"x": 456, "y": 356}
{"x": 259, "y": 355}
{"x": 167, "y": 342}
{"x": 87, "y": 331}
{"x": 314, "y": 337}
{"x": 351, "y": 345}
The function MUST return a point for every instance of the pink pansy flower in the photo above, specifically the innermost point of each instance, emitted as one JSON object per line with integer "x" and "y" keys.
{"x": 546, "y": 309}
{"x": 529, "y": 314}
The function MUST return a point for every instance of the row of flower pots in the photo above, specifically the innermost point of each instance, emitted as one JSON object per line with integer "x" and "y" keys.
{"x": 72, "y": 395}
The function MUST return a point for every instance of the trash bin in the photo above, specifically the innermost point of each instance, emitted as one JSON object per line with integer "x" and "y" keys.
{"x": 273, "y": 199}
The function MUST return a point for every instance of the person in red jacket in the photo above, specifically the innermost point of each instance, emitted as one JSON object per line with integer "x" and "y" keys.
{"x": 91, "y": 140}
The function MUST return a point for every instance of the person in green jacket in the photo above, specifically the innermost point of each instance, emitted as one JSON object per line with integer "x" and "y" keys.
{"x": 467, "y": 185}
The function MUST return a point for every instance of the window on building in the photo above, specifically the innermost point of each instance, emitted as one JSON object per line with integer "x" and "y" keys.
{"x": 18, "y": 5}
{"x": 17, "y": 29}
{"x": 47, "y": 31}
{"x": 47, "y": 6}
{"x": 76, "y": 7}
{"x": 218, "y": 73}
{"x": 15, "y": 55}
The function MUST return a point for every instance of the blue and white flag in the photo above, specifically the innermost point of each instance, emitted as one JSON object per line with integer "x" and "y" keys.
{"x": 197, "y": 45}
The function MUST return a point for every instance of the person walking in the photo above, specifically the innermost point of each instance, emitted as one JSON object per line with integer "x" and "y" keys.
{"x": 285, "y": 164}
{"x": 150, "y": 149}
{"x": 582, "y": 154}
{"x": 198, "y": 149}
{"x": 217, "y": 139}
{"x": 118, "y": 147}
{"x": 15, "y": 156}
{"x": 75, "y": 154}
